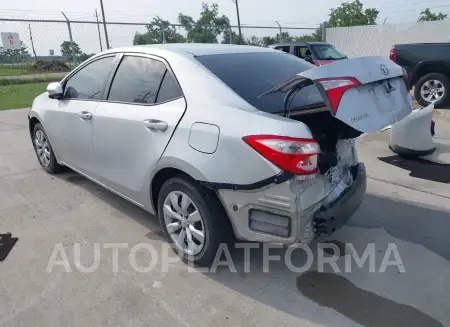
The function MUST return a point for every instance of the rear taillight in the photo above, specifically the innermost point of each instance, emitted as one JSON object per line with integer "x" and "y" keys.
{"x": 316, "y": 63}
{"x": 335, "y": 89}
{"x": 294, "y": 155}
{"x": 393, "y": 55}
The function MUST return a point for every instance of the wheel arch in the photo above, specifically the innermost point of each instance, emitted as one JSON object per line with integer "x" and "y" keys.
{"x": 32, "y": 121}
{"x": 428, "y": 67}
{"x": 169, "y": 167}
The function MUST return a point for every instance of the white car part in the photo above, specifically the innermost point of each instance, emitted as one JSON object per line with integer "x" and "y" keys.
{"x": 411, "y": 137}
{"x": 366, "y": 93}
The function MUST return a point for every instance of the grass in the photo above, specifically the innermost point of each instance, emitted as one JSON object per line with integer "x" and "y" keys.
{"x": 30, "y": 80}
{"x": 13, "y": 71}
{"x": 19, "y": 96}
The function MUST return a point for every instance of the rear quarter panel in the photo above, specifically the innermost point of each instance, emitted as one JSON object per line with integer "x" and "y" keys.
{"x": 233, "y": 161}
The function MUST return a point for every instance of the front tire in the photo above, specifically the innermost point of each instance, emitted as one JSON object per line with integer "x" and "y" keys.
{"x": 433, "y": 87}
{"x": 192, "y": 220}
{"x": 44, "y": 150}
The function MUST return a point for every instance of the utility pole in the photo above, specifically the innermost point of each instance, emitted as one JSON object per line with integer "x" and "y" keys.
{"x": 104, "y": 24}
{"x": 163, "y": 30}
{"x": 238, "y": 19}
{"x": 99, "y": 34}
{"x": 72, "y": 47}
{"x": 32, "y": 43}
{"x": 324, "y": 31}
{"x": 281, "y": 31}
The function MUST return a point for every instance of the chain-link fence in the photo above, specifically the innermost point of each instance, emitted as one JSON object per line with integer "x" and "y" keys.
{"x": 377, "y": 40}
{"x": 50, "y": 39}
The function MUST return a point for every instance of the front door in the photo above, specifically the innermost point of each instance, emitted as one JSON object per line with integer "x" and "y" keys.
{"x": 72, "y": 118}
{"x": 133, "y": 128}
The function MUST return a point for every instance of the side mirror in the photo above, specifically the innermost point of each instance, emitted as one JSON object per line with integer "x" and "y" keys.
{"x": 55, "y": 90}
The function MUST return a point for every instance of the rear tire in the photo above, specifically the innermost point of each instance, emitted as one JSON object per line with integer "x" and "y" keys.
{"x": 44, "y": 150}
{"x": 200, "y": 236}
{"x": 428, "y": 83}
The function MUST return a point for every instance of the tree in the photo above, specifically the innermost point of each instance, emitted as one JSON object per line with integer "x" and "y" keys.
{"x": 84, "y": 56}
{"x": 352, "y": 14}
{"x": 159, "y": 31}
{"x": 70, "y": 49}
{"x": 208, "y": 27}
{"x": 14, "y": 55}
{"x": 428, "y": 16}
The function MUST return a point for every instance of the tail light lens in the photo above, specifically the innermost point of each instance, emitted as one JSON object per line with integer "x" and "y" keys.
{"x": 294, "y": 155}
{"x": 393, "y": 55}
{"x": 335, "y": 89}
{"x": 316, "y": 63}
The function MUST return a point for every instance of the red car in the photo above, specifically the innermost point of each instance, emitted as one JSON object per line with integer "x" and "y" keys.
{"x": 317, "y": 53}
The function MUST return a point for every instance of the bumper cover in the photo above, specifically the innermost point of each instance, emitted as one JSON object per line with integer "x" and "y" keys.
{"x": 292, "y": 199}
{"x": 328, "y": 219}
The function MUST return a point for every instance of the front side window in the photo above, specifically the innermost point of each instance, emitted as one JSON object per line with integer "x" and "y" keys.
{"x": 137, "y": 80}
{"x": 328, "y": 52}
{"x": 89, "y": 82}
{"x": 302, "y": 52}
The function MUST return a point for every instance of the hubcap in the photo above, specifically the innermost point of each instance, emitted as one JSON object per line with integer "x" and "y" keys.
{"x": 432, "y": 90}
{"x": 42, "y": 148}
{"x": 184, "y": 223}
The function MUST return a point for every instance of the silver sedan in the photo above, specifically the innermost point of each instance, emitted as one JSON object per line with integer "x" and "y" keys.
{"x": 221, "y": 141}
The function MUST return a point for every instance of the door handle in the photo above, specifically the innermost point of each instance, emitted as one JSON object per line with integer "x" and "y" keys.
{"x": 155, "y": 125}
{"x": 84, "y": 115}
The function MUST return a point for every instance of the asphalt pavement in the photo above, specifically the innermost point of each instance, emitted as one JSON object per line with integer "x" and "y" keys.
{"x": 409, "y": 211}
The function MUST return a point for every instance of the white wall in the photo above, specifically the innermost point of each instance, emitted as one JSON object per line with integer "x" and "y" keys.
{"x": 377, "y": 40}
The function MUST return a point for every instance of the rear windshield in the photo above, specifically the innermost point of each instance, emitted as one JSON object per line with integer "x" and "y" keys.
{"x": 327, "y": 52}
{"x": 251, "y": 74}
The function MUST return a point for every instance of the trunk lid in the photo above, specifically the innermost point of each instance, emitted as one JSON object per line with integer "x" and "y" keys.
{"x": 366, "y": 93}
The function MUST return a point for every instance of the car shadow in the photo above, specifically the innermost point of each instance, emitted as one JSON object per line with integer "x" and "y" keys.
{"x": 147, "y": 220}
{"x": 304, "y": 295}
{"x": 420, "y": 168}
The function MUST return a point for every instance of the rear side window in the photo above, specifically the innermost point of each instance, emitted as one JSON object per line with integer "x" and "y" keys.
{"x": 89, "y": 82}
{"x": 286, "y": 49}
{"x": 251, "y": 74}
{"x": 169, "y": 89}
{"x": 137, "y": 80}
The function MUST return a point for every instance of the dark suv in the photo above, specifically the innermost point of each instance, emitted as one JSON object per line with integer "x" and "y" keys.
{"x": 428, "y": 67}
{"x": 317, "y": 53}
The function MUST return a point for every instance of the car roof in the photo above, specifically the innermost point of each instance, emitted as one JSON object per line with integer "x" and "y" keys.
{"x": 192, "y": 49}
{"x": 298, "y": 43}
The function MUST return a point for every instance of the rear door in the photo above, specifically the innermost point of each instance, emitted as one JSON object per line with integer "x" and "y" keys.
{"x": 367, "y": 93}
{"x": 133, "y": 127}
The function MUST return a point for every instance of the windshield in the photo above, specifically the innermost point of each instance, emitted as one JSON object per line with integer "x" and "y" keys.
{"x": 253, "y": 73}
{"x": 327, "y": 52}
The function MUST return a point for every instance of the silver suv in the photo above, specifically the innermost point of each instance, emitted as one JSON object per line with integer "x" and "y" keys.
{"x": 221, "y": 140}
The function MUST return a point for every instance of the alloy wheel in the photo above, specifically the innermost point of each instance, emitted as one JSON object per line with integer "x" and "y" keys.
{"x": 432, "y": 90}
{"x": 184, "y": 223}
{"x": 42, "y": 148}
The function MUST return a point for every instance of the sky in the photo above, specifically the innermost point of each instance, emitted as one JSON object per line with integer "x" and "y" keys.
{"x": 293, "y": 13}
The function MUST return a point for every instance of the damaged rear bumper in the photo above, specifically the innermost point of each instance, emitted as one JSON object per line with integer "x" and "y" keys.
{"x": 328, "y": 219}
{"x": 286, "y": 213}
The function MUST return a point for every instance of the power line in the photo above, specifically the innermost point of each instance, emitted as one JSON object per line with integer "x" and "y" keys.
{"x": 410, "y": 3}
{"x": 411, "y": 10}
